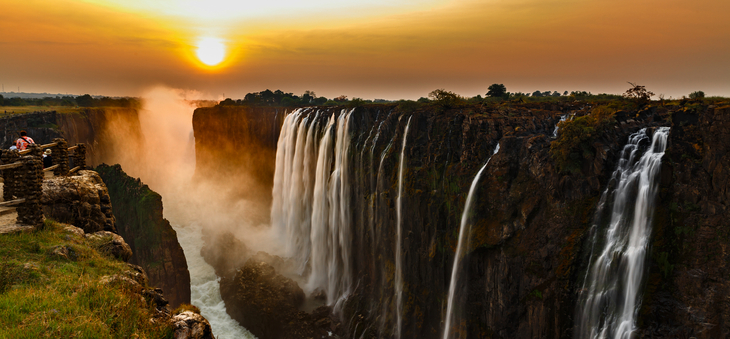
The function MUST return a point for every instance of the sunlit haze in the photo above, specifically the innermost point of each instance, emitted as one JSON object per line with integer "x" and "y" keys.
{"x": 368, "y": 49}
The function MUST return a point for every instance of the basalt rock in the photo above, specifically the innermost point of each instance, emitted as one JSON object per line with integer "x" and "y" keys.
{"x": 190, "y": 325}
{"x": 266, "y": 303}
{"x": 689, "y": 274}
{"x": 81, "y": 200}
{"x": 138, "y": 212}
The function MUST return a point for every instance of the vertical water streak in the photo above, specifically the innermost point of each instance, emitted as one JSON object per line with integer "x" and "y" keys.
{"x": 609, "y": 300}
{"x": 319, "y": 236}
{"x": 339, "y": 273}
{"x": 562, "y": 118}
{"x": 461, "y": 247}
{"x": 399, "y": 217}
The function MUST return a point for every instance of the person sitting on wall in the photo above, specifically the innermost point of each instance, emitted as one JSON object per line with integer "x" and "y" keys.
{"x": 47, "y": 159}
{"x": 23, "y": 142}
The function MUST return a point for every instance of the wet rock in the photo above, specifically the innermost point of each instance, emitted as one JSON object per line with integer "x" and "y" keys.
{"x": 224, "y": 252}
{"x": 266, "y": 303}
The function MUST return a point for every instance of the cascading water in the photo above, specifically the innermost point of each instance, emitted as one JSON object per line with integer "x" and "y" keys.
{"x": 312, "y": 207}
{"x": 555, "y": 131}
{"x": 463, "y": 244}
{"x": 608, "y": 301}
{"x": 398, "y": 241}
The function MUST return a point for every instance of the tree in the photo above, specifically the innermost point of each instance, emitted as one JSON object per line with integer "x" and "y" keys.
{"x": 85, "y": 101}
{"x": 497, "y": 91}
{"x": 638, "y": 93}
{"x": 565, "y": 93}
{"x": 693, "y": 95}
{"x": 445, "y": 99}
{"x": 536, "y": 94}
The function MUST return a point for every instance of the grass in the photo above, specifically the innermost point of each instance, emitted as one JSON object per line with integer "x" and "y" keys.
{"x": 46, "y": 296}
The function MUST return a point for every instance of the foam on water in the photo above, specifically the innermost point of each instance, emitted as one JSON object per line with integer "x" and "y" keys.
{"x": 204, "y": 285}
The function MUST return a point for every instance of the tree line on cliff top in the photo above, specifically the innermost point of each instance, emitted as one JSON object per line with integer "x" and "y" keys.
{"x": 495, "y": 93}
{"x": 85, "y": 100}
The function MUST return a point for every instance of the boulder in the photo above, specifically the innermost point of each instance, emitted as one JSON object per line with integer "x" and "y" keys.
{"x": 111, "y": 244}
{"x": 81, "y": 200}
{"x": 190, "y": 325}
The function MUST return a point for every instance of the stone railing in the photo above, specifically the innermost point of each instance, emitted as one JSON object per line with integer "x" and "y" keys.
{"x": 23, "y": 175}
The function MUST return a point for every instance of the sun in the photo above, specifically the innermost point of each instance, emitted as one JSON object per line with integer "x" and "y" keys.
{"x": 211, "y": 51}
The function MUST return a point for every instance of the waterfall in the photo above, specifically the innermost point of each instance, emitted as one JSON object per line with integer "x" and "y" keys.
{"x": 311, "y": 199}
{"x": 398, "y": 241}
{"x": 562, "y": 118}
{"x": 464, "y": 230}
{"x": 609, "y": 300}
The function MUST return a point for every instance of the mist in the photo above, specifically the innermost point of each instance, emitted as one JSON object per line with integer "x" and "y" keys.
{"x": 158, "y": 146}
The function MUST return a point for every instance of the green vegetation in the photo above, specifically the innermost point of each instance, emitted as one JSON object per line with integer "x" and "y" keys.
{"x": 697, "y": 95}
{"x": 497, "y": 91}
{"x": 575, "y": 140}
{"x": 43, "y": 295}
{"x": 638, "y": 93}
{"x": 85, "y": 100}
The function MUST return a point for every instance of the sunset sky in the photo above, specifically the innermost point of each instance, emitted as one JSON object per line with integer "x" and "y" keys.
{"x": 371, "y": 49}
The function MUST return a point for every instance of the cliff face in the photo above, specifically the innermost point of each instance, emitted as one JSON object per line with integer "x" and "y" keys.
{"x": 527, "y": 254}
{"x": 138, "y": 212}
{"x": 237, "y": 144}
{"x": 99, "y": 128}
{"x": 524, "y": 252}
{"x": 689, "y": 277}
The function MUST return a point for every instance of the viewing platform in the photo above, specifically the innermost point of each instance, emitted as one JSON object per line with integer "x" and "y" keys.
{"x": 22, "y": 179}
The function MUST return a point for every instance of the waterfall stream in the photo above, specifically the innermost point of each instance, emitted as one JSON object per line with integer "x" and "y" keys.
{"x": 609, "y": 300}
{"x": 464, "y": 230}
{"x": 311, "y": 195}
{"x": 399, "y": 235}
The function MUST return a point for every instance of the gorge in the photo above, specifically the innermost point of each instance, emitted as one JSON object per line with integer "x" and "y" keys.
{"x": 369, "y": 208}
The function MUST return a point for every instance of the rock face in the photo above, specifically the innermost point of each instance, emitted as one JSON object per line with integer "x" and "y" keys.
{"x": 267, "y": 303}
{"x": 101, "y": 129}
{"x": 81, "y": 200}
{"x": 527, "y": 254}
{"x": 688, "y": 285}
{"x": 238, "y": 144}
{"x": 138, "y": 212}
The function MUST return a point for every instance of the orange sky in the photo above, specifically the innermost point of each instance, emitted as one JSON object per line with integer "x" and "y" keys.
{"x": 373, "y": 49}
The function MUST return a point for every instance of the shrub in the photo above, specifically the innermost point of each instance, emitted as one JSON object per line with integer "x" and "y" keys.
{"x": 575, "y": 138}
{"x": 638, "y": 93}
{"x": 697, "y": 95}
{"x": 445, "y": 99}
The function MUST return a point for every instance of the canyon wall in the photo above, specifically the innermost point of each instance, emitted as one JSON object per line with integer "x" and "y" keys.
{"x": 689, "y": 278}
{"x": 154, "y": 244}
{"x": 527, "y": 253}
{"x": 238, "y": 144}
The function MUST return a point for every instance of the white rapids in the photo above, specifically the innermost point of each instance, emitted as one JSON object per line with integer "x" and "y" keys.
{"x": 204, "y": 287}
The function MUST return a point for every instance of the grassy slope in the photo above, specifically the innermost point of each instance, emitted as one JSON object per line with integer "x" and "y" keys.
{"x": 42, "y": 295}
